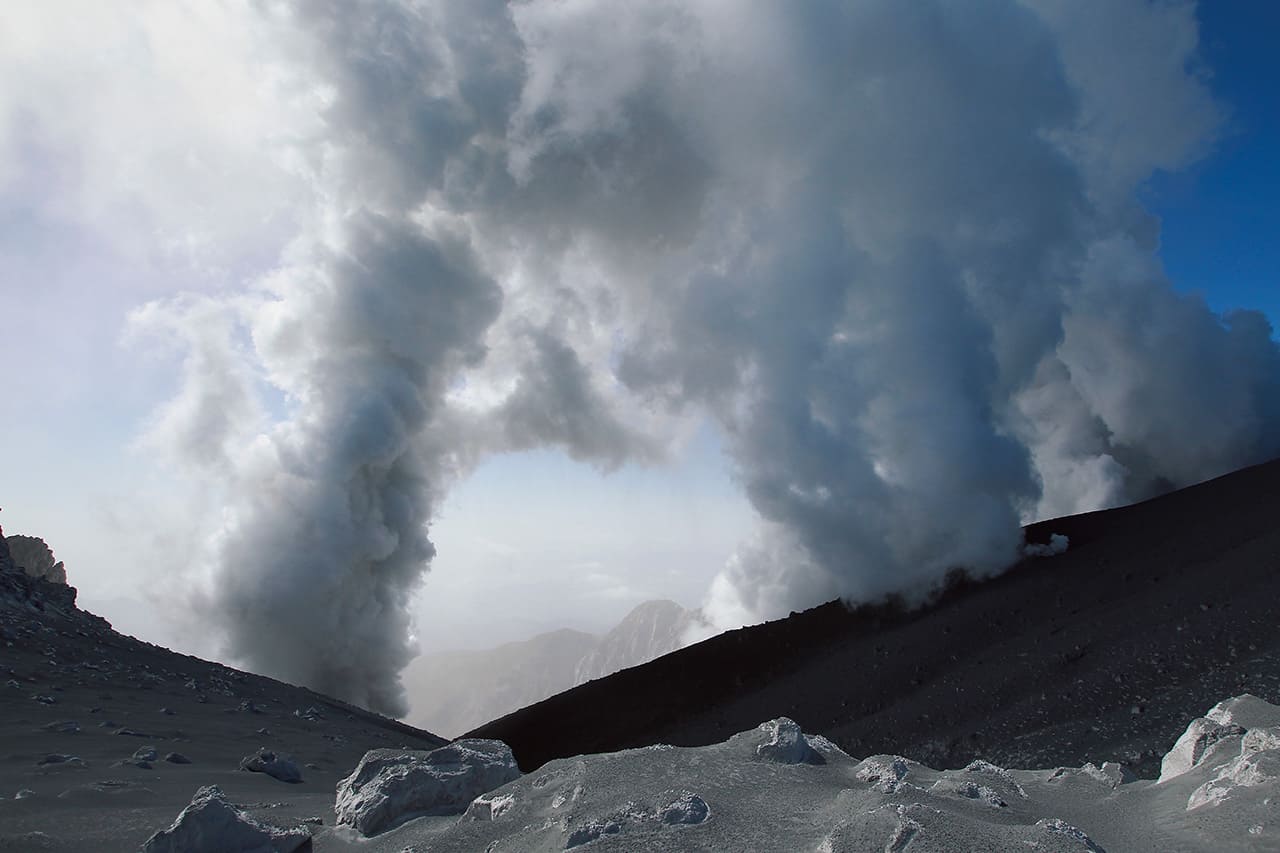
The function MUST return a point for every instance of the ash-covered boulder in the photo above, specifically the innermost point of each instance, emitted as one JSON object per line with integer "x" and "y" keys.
{"x": 27, "y": 590}
{"x": 782, "y": 742}
{"x": 1201, "y": 736}
{"x": 1246, "y": 770}
{"x": 885, "y": 772}
{"x": 1234, "y": 748}
{"x": 210, "y": 824}
{"x": 686, "y": 809}
{"x": 391, "y": 786}
{"x": 273, "y": 764}
{"x": 33, "y": 556}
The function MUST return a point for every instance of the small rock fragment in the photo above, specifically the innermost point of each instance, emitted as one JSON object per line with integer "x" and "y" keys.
{"x": 274, "y": 765}
{"x": 56, "y": 759}
{"x": 688, "y": 809}
{"x": 65, "y": 727}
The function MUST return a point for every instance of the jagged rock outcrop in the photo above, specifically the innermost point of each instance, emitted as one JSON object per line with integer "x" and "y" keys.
{"x": 21, "y": 589}
{"x": 784, "y": 743}
{"x": 390, "y": 786}
{"x": 1237, "y": 741}
{"x": 6, "y": 559}
{"x": 213, "y": 825}
{"x": 33, "y": 556}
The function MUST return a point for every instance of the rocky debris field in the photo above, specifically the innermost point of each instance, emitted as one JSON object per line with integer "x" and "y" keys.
{"x": 104, "y": 738}
{"x": 773, "y": 788}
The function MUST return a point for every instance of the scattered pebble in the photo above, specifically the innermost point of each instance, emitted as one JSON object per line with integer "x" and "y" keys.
{"x": 63, "y": 727}
{"x": 276, "y": 766}
{"x": 56, "y": 758}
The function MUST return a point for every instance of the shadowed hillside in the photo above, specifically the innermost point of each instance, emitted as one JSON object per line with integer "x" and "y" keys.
{"x": 1100, "y": 652}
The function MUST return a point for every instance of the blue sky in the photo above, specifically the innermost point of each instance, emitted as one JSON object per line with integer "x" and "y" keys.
{"x": 1220, "y": 219}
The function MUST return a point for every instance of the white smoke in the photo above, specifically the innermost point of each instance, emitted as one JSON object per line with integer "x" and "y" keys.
{"x": 894, "y": 249}
{"x": 1057, "y": 544}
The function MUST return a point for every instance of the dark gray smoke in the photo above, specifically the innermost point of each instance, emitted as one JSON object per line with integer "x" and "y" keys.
{"x": 893, "y": 249}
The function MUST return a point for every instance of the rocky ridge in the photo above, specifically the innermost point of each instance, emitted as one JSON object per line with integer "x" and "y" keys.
{"x": 33, "y": 556}
{"x": 775, "y": 788}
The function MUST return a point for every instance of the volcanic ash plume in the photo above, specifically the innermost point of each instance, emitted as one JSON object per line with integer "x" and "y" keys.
{"x": 893, "y": 249}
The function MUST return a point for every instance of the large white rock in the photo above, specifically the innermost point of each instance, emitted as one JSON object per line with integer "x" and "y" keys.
{"x": 785, "y": 743}
{"x": 390, "y": 786}
{"x": 1196, "y": 742}
{"x": 1247, "y": 770}
{"x": 1237, "y": 741}
{"x": 212, "y": 825}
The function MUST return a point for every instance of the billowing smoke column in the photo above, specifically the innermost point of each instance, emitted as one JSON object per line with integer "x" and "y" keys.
{"x": 894, "y": 249}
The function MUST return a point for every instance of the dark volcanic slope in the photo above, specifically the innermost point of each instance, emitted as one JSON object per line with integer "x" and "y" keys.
{"x": 77, "y": 699}
{"x": 1104, "y": 652}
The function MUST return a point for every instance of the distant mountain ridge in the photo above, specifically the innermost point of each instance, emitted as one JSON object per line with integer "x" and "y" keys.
{"x": 451, "y": 692}
{"x": 650, "y": 630}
